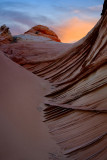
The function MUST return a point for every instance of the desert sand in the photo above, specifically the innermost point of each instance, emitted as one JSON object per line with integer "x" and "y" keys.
{"x": 23, "y": 135}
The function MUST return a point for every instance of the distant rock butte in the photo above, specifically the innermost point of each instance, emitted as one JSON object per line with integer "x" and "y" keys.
{"x": 5, "y": 35}
{"x": 44, "y": 31}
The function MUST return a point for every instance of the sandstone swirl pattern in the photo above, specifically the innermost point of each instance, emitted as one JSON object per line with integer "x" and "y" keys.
{"x": 76, "y": 107}
{"x": 76, "y": 110}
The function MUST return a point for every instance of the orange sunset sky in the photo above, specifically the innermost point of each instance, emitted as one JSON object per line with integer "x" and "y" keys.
{"x": 74, "y": 29}
{"x": 70, "y": 19}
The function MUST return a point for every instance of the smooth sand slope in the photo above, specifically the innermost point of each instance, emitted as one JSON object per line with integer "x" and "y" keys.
{"x": 23, "y": 135}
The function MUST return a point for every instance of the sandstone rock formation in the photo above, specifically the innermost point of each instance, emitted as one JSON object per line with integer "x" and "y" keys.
{"x": 28, "y": 49}
{"x": 76, "y": 110}
{"x": 76, "y": 106}
{"x": 5, "y": 35}
{"x": 44, "y": 31}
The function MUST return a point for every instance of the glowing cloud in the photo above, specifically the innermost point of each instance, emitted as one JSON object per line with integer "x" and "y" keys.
{"x": 74, "y": 29}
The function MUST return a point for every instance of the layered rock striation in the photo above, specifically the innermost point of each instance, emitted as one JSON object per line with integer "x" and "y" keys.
{"x": 76, "y": 106}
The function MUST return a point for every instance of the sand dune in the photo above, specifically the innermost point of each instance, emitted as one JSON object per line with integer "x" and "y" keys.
{"x": 23, "y": 135}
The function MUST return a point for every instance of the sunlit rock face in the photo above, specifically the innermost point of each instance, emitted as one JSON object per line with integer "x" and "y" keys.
{"x": 76, "y": 106}
{"x": 5, "y": 35}
{"x": 44, "y": 31}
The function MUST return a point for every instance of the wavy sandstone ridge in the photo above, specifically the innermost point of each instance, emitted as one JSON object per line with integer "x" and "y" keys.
{"x": 76, "y": 110}
{"x": 76, "y": 107}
